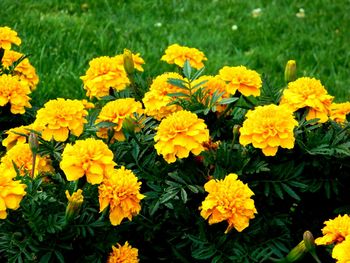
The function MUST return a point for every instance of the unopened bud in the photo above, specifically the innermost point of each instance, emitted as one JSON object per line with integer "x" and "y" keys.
{"x": 309, "y": 240}
{"x": 74, "y": 203}
{"x": 33, "y": 142}
{"x": 297, "y": 252}
{"x": 128, "y": 62}
{"x": 290, "y": 71}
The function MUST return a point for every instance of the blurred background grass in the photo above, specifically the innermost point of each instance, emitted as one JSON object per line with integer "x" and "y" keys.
{"x": 61, "y": 37}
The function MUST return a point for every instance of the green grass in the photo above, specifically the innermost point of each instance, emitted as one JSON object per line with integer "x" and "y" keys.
{"x": 63, "y": 35}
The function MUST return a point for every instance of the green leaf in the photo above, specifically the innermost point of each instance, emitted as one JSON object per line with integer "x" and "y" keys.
{"x": 46, "y": 258}
{"x": 178, "y": 83}
{"x": 187, "y": 69}
{"x": 197, "y": 74}
{"x": 290, "y": 191}
{"x": 228, "y": 100}
{"x": 167, "y": 196}
{"x": 183, "y": 195}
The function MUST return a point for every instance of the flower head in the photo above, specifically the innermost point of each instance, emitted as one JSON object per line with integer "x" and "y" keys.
{"x": 88, "y": 157}
{"x": 105, "y": 73}
{"x": 123, "y": 254}
{"x": 339, "y": 111}
{"x": 121, "y": 191}
{"x": 341, "y": 251}
{"x": 268, "y": 127}
{"x": 228, "y": 199}
{"x": 335, "y": 231}
{"x": 116, "y": 112}
{"x": 11, "y": 193}
{"x": 156, "y": 100}
{"x": 24, "y": 70}
{"x": 59, "y": 117}
{"x": 15, "y": 92}
{"x": 246, "y": 81}
{"x": 8, "y": 37}
{"x": 176, "y": 54}
{"x": 308, "y": 93}
{"x": 21, "y": 156}
{"x": 179, "y": 134}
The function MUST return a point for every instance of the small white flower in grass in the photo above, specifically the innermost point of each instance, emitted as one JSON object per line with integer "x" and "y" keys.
{"x": 158, "y": 24}
{"x": 301, "y": 13}
{"x": 256, "y": 12}
{"x": 234, "y": 27}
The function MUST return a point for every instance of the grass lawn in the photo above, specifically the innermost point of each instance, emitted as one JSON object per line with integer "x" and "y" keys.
{"x": 61, "y": 37}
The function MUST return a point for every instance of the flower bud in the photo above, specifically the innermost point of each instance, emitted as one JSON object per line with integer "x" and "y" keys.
{"x": 297, "y": 252}
{"x": 74, "y": 203}
{"x": 128, "y": 61}
{"x": 309, "y": 240}
{"x": 33, "y": 142}
{"x": 290, "y": 71}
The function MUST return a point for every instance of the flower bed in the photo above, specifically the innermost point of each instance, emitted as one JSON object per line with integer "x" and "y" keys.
{"x": 186, "y": 167}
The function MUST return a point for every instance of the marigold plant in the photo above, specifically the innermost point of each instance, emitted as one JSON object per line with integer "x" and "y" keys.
{"x": 60, "y": 117}
{"x": 121, "y": 192}
{"x": 179, "y": 134}
{"x": 116, "y": 112}
{"x": 308, "y": 93}
{"x": 24, "y": 70}
{"x": 157, "y": 101}
{"x": 123, "y": 254}
{"x": 8, "y": 37}
{"x": 268, "y": 127}
{"x": 176, "y": 54}
{"x": 228, "y": 200}
{"x": 15, "y": 92}
{"x": 88, "y": 157}
{"x": 246, "y": 81}
{"x": 11, "y": 193}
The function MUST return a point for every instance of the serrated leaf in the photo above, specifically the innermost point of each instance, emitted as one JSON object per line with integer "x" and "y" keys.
{"x": 187, "y": 69}
{"x": 228, "y": 100}
{"x": 290, "y": 191}
{"x": 197, "y": 74}
{"x": 178, "y": 83}
{"x": 167, "y": 196}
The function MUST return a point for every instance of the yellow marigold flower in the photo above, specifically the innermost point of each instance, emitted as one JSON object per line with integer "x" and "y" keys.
{"x": 8, "y": 37}
{"x": 121, "y": 191}
{"x": 308, "y": 93}
{"x": 246, "y": 81}
{"x": 105, "y": 73}
{"x": 11, "y": 193}
{"x": 21, "y": 156}
{"x": 228, "y": 199}
{"x": 116, "y": 112}
{"x": 15, "y": 92}
{"x": 59, "y": 117}
{"x": 341, "y": 251}
{"x": 176, "y": 54}
{"x": 156, "y": 100}
{"x": 88, "y": 157}
{"x": 335, "y": 231}
{"x": 123, "y": 254}
{"x": 74, "y": 203}
{"x": 24, "y": 70}
{"x": 87, "y": 104}
{"x": 339, "y": 111}
{"x": 268, "y": 127}
{"x": 179, "y": 134}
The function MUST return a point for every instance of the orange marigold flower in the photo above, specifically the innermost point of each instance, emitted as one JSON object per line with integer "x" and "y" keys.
{"x": 8, "y": 37}
{"x": 339, "y": 111}
{"x": 156, "y": 100}
{"x": 59, "y": 117}
{"x": 88, "y": 157}
{"x": 335, "y": 231}
{"x": 24, "y": 70}
{"x": 246, "y": 81}
{"x": 105, "y": 73}
{"x": 341, "y": 251}
{"x": 123, "y": 254}
{"x": 308, "y": 93}
{"x": 15, "y": 92}
{"x": 228, "y": 199}
{"x": 11, "y": 193}
{"x": 268, "y": 127}
{"x": 21, "y": 156}
{"x": 121, "y": 191}
{"x": 116, "y": 112}
{"x": 179, "y": 134}
{"x": 176, "y": 54}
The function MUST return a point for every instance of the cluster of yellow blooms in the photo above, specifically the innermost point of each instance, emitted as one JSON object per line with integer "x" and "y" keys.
{"x": 228, "y": 199}
{"x": 337, "y": 231}
{"x": 15, "y": 88}
{"x": 123, "y": 254}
